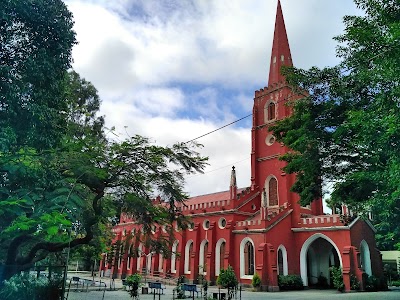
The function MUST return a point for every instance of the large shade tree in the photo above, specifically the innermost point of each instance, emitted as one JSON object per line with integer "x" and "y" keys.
{"x": 346, "y": 130}
{"x": 62, "y": 179}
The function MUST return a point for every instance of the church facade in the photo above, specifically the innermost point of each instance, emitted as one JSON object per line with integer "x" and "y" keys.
{"x": 262, "y": 228}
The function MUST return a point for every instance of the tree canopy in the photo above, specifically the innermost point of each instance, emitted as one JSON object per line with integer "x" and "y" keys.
{"x": 62, "y": 179}
{"x": 346, "y": 131}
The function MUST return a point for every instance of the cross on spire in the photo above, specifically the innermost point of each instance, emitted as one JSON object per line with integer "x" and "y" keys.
{"x": 280, "y": 55}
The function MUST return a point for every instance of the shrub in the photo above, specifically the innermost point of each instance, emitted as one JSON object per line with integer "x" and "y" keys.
{"x": 372, "y": 284}
{"x": 354, "y": 283}
{"x": 27, "y": 287}
{"x": 133, "y": 281}
{"x": 337, "y": 277}
{"x": 256, "y": 281}
{"x": 227, "y": 278}
{"x": 396, "y": 283}
{"x": 290, "y": 282}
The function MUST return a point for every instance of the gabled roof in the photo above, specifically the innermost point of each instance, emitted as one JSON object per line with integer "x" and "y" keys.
{"x": 225, "y": 195}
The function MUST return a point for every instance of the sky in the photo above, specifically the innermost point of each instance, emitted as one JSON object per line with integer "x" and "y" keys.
{"x": 174, "y": 70}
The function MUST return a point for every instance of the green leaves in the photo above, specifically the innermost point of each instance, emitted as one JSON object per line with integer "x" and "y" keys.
{"x": 61, "y": 181}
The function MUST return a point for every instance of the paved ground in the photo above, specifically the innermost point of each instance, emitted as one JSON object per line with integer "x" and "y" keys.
{"x": 298, "y": 295}
{"x": 119, "y": 294}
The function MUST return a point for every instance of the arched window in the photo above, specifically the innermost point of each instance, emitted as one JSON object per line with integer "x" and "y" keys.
{"x": 120, "y": 254}
{"x": 365, "y": 258}
{"x": 188, "y": 254}
{"x": 270, "y": 195}
{"x": 282, "y": 261}
{"x": 129, "y": 259}
{"x": 161, "y": 263}
{"x": 203, "y": 257}
{"x": 222, "y": 255}
{"x": 273, "y": 192}
{"x": 149, "y": 258}
{"x": 139, "y": 257}
{"x": 173, "y": 256}
{"x": 247, "y": 261}
{"x": 219, "y": 256}
{"x": 270, "y": 111}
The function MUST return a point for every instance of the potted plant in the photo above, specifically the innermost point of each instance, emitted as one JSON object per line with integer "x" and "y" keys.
{"x": 133, "y": 282}
{"x": 227, "y": 279}
{"x": 256, "y": 282}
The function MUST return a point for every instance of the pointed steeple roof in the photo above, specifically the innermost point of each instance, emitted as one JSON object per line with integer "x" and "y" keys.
{"x": 280, "y": 55}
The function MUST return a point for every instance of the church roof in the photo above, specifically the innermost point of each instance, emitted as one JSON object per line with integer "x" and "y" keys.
{"x": 280, "y": 55}
{"x": 219, "y": 196}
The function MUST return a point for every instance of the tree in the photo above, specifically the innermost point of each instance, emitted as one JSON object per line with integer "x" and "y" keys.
{"x": 36, "y": 40}
{"x": 70, "y": 186}
{"x": 61, "y": 178}
{"x": 347, "y": 129}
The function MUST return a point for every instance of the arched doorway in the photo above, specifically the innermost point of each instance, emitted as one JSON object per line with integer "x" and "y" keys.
{"x": 317, "y": 255}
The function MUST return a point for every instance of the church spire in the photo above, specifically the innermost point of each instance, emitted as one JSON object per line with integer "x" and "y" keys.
{"x": 280, "y": 55}
{"x": 233, "y": 186}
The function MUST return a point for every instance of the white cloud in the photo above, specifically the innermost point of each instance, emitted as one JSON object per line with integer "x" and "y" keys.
{"x": 138, "y": 53}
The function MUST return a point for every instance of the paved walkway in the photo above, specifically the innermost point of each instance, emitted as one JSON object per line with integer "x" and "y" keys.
{"x": 119, "y": 294}
{"x": 298, "y": 295}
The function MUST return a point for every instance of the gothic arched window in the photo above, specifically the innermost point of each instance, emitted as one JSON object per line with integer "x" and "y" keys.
{"x": 120, "y": 254}
{"x": 129, "y": 259}
{"x": 173, "y": 256}
{"x": 222, "y": 256}
{"x": 203, "y": 257}
{"x": 188, "y": 255}
{"x": 273, "y": 192}
{"x": 280, "y": 262}
{"x": 270, "y": 111}
{"x": 248, "y": 259}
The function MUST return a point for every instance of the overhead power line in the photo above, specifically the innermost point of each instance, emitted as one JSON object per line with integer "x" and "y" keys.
{"x": 218, "y": 128}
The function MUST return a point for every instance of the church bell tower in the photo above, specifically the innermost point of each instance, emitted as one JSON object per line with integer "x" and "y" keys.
{"x": 269, "y": 107}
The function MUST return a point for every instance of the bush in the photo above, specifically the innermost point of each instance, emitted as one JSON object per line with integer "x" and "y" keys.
{"x": 256, "y": 281}
{"x": 354, "y": 283}
{"x": 290, "y": 282}
{"x": 227, "y": 278}
{"x": 396, "y": 283}
{"x": 372, "y": 284}
{"x": 133, "y": 281}
{"x": 27, "y": 287}
{"x": 337, "y": 277}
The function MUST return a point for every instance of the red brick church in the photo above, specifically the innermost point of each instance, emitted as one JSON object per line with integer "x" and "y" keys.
{"x": 262, "y": 228}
